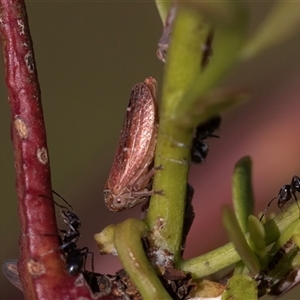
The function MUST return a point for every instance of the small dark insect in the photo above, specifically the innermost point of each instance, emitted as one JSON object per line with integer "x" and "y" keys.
{"x": 75, "y": 257}
{"x": 286, "y": 193}
{"x": 199, "y": 148}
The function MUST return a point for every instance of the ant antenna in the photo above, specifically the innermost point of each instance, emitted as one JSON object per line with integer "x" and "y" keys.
{"x": 266, "y": 209}
{"x": 62, "y": 198}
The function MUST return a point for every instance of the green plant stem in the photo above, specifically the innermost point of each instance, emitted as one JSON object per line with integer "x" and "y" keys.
{"x": 183, "y": 90}
{"x": 128, "y": 243}
{"x": 166, "y": 212}
{"x": 226, "y": 255}
{"x": 229, "y": 21}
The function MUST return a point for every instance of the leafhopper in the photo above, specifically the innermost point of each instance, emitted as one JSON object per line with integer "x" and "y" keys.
{"x": 130, "y": 177}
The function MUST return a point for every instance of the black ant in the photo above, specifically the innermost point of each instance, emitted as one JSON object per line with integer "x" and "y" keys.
{"x": 75, "y": 257}
{"x": 199, "y": 148}
{"x": 285, "y": 194}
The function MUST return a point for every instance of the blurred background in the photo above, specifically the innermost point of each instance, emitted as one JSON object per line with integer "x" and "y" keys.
{"x": 88, "y": 56}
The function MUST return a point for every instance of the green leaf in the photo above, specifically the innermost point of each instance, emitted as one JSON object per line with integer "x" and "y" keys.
{"x": 226, "y": 255}
{"x": 210, "y": 105}
{"x": 240, "y": 287}
{"x": 229, "y": 20}
{"x": 238, "y": 239}
{"x": 242, "y": 194}
{"x": 292, "y": 229}
{"x": 257, "y": 239}
{"x": 281, "y": 23}
{"x": 163, "y": 8}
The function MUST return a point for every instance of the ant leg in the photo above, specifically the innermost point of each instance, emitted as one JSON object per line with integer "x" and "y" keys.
{"x": 85, "y": 254}
{"x": 92, "y": 265}
{"x": 92, "y": 261}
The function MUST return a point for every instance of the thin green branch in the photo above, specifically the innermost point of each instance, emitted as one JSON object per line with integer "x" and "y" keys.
{"x": 128, "y": 242}
{"x": 184, "y": 87}
{"x": 229, "y": 21}
{"x": 166, "y": 211}
{"x": 226, "y": 255}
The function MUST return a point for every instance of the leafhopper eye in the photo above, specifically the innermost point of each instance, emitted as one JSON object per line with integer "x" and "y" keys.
{"x": 120, "y": 202}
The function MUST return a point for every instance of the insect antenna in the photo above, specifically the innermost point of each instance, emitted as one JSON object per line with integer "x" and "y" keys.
{"x": 62, "y": 198}
{"x": 266, "y": 209}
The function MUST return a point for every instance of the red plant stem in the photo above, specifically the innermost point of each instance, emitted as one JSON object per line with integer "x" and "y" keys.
{"x": 41, "y": 264}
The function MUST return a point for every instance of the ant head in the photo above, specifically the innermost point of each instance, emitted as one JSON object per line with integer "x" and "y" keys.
{"x": 284, "y": 195}
{"x": 70, "y": 219}
{"x": 296, "y": 183}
